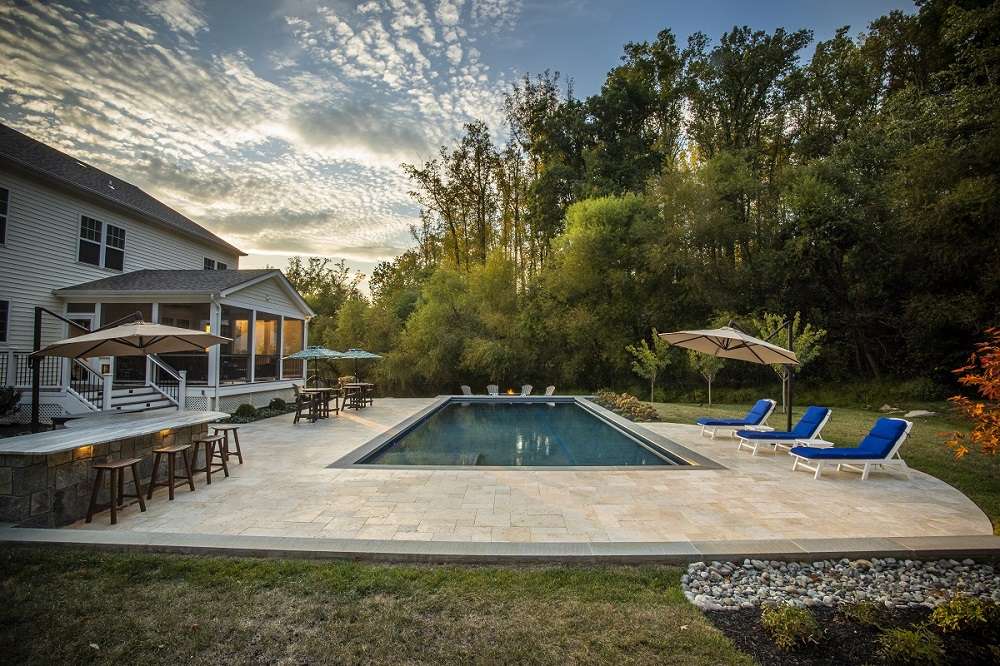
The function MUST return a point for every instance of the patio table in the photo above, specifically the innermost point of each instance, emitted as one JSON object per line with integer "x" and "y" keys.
{"x": 321, "y": 397}
{"x": 352, "y": 391}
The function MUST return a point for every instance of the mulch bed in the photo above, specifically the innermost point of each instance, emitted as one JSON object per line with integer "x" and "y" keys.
{"x": 14, "y": 429}
{"x": 844, "y": 641}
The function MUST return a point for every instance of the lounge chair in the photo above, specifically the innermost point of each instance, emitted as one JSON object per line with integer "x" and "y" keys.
{"x": 755, "y": 419}
{"x": 879, "y": 448}
{"x": 526, "y": 389}
{"x": 808, "y": 428}
{"x": 466, "y": 389}
{"x": 493, "y": 389}
{"x": 550, "y": 390}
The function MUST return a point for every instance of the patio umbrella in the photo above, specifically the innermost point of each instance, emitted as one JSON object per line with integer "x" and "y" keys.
{"x": 137, "y": 338}
{"x": 730, "y": 342}
{"x": 358, "y": 354}
{"x": 314, "y": 353}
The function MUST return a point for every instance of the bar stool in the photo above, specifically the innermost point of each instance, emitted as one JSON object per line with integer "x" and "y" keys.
{"x": 225, "y": 429}
{"x": 171, "y": 453}
{"x": 116, "y": 486}
{"x": 213, "y": 450}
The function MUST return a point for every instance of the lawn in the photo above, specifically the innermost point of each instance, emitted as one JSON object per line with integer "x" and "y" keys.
{"x": 84, "y": 607}
{"x": 975, "y": 475}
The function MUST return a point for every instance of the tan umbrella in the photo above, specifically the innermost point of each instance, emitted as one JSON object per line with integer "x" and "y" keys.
{"x": 134, "y": 339}
{"x": 729, "y": 342}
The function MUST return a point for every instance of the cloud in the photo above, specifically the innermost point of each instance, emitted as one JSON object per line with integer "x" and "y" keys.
{"x": 289, "y": 148}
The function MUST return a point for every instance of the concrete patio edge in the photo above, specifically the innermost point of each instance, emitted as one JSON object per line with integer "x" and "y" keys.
{"x": 980, "y": 547}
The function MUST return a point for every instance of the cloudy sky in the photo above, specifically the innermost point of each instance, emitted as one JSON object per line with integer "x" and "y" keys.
{"x": 281, "y": 125}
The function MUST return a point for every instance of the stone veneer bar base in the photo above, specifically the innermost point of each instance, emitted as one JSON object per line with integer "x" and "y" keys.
{"x": 54, "y": 489}
{"x": 979, "y": 547}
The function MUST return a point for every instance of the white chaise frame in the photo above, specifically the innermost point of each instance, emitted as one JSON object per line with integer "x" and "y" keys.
{"x": 787, "y": 443}
{"x": 762, "y": 426}
{"x": 863, "y": 465}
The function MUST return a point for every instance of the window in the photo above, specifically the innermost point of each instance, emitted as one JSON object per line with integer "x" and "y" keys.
{"x": 4, "y": 313}
{"x": 4, "y": 198}
{"x": 221, "y": 266}
{"x": 209, "y": 264}
{"x": 95, "y": 245}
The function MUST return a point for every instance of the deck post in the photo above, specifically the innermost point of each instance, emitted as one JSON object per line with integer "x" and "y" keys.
{"x": 109, "y": 383}
{"x": 182, "y": 390}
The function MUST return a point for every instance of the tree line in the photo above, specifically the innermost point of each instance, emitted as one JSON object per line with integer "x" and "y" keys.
{"x": 853, "y": 184}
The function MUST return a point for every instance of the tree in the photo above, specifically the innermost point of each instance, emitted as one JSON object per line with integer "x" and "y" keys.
{"x": 982, "y": 373}
{"x": 650, "y": 360}
{"x": 707, "y": 366}
{"x": 325, "y": 285}
{"x": 805, "y": 343}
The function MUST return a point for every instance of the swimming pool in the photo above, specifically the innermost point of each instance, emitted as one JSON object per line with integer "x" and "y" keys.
{"x": 516, "y": 432}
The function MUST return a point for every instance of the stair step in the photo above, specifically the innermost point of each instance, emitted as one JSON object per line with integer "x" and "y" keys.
{"x": 155, "y": 396}
{"x": 138, "y": 390}
{"x": 144, "y": 406}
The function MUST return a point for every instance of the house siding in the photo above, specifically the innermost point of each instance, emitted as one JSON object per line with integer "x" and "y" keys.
{"x": 266, "y": 296}
{"x": 40, "y": 253}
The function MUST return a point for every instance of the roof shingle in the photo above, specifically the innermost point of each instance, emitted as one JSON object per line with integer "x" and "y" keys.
{"x": 172, "y": 280}
{"x": 47, "y": 162}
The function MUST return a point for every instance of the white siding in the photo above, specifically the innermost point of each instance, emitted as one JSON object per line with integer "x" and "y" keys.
{"x": 266, "y": 296}
{"x": 40, "y": 255}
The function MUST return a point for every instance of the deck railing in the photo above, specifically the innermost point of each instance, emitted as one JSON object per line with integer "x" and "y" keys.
{"x": 86, "y": 383}
{"x": 169, "y": 382}
{"x": 50, "y": 376}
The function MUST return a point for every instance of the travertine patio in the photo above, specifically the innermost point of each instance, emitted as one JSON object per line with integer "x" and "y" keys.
{"x": 286, "y": 488}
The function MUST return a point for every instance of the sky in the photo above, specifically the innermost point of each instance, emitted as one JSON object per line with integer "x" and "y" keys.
{"x": 281, "y": 125}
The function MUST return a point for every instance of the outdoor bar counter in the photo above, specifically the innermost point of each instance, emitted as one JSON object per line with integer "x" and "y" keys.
{"x": 46, "y": 478}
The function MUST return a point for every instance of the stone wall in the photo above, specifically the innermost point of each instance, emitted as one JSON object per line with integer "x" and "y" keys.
{"x": 54, "y": 490}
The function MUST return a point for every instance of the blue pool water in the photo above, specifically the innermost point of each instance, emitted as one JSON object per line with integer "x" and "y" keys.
{"x": 515, "y": 435}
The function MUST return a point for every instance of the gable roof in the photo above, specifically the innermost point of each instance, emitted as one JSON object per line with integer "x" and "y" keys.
{"x": 149, "y": 281}
{"x": 49, "y": 164}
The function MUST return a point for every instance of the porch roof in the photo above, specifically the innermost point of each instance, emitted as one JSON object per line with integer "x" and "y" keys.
{"x": 149, "y": 283}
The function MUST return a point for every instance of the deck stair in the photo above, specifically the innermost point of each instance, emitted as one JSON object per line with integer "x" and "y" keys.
{"x": 139, "y": 399}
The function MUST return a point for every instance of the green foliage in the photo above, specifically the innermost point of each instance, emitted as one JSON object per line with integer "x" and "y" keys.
{"x": 707, "y": 366}
{"x": 10, "y": 397}
{"x": 964, "y": 614}
{"x": 806, "y": 340}
{"x": 650, "y": 360}
{"x": 867, "y": 613}
{"x": 245, "y": 410}
{"x": 790, "y": 627}
{"x": 626, "y": 405}
{"x": 278, "y": 405}
{"x": 916, "y": 647}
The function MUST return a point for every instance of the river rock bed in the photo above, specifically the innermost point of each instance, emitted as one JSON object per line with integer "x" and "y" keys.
{"x": 889, "y": 581}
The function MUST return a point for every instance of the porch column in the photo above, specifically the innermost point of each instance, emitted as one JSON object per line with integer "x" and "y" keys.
{"x": 252, "y": 335}
{"x": 305, "y": 343}
{"x": 281, "y": 348}
{"x": 214, "y": 352}
{"x": 155, "y": 315}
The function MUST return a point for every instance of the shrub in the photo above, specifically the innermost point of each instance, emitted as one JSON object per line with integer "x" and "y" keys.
{"x": 867, "y": 613}
{"x": 963, "y": 614}
{"x": 790, "y": 627}
{"x": 9, "y": 399}
{"x": 911, "y": 646}
{"x": 626, "y": 405}
{"x": 245, "y": 411}
{"x": 278, "y": 405}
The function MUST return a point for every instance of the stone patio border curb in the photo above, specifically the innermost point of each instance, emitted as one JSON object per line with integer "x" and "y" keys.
{"x": 979, "y": 547}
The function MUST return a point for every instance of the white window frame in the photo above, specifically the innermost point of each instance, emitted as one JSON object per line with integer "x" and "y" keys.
{"x": 103, "y": 245}
{"x": 208, "y": 264}
{"x": 4, "y": 218}
{"x": 221, "y": 266}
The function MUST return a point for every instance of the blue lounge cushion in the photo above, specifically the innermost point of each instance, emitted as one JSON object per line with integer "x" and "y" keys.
{"x": 805, "y": 429}
{"x": 754, "y": 417}
{"x": 875, "y": 446}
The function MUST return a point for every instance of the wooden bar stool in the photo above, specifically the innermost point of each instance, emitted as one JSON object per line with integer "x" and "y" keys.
{"x": 116, "y": 486}
{"x": 224, "y": 429}
{"x": 171, "y": 453}
{"x": 213, "y": 449}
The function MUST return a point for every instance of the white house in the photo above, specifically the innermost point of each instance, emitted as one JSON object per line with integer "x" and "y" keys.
{"x": 94, "y": 248}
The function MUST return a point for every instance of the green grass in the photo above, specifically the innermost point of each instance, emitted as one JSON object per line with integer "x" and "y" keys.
{"x": 59, "y": 605}
{"x": 975, "y": 475}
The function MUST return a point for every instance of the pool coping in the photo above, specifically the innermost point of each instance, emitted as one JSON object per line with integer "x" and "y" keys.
{"x": 694, "y": 461}
{"x": 979, "y": 547}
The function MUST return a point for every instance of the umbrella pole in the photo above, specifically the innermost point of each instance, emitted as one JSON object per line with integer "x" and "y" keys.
{"x": 790, "y": 373}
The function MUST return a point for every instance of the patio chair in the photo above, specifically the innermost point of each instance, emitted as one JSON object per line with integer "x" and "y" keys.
{"x": 304, "y": 403}
{"x": 550, "y": 390}
{"x": 493, "y": 389}
{"x": 466, "y": 389}
{"x": 526, "y": 389}
{"x": 808, "y": 428}
{"x": 756, "y": 419}
{"x": 879, "y": 448}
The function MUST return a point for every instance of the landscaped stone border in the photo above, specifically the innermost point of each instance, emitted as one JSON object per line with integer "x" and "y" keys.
{"x": 895, "y": 583}
{"x": 54, "y": 489}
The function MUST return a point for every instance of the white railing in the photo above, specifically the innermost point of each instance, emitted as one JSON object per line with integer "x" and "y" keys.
{"x": 169, "y": 382}
{"x": 87, "y": 384}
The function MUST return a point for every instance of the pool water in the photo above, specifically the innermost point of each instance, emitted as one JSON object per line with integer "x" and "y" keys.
{"x": 515, "y": 435}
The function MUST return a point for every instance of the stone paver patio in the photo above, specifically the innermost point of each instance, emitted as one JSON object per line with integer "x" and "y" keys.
{"x": 285, "y": 489}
